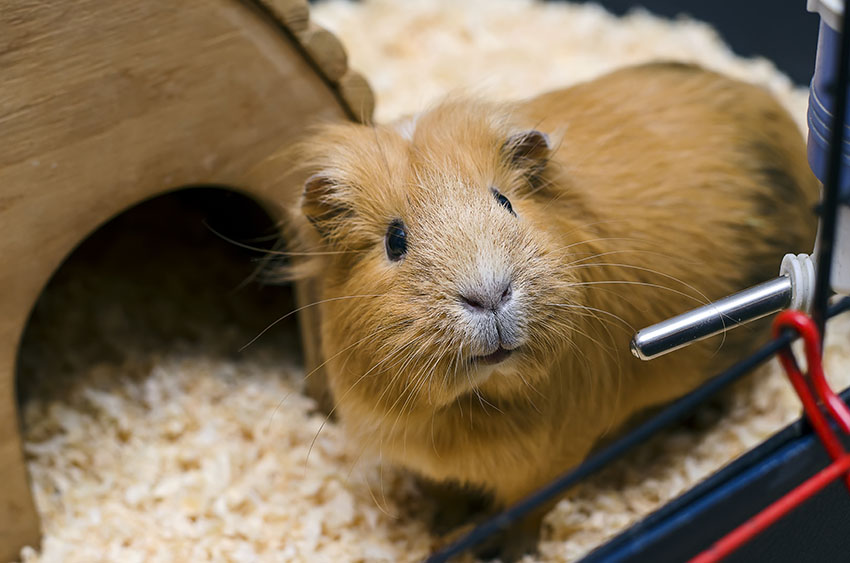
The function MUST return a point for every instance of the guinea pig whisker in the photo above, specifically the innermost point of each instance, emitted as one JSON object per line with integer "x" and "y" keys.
{"x": 614, "y": 293}
{"x": 268, "y": 251}
{"x": 382, "y": 507}
{"x": 637, "y": 283}
{"x": 619, "y": 251}
{"x": 425, "y": 374}
{"x": 424, "y": 379}
{"x": 408, "y": 393}
{"x": 649, "y": 270}
{"x": 584, "y": 226}
{"x": 328, "y": 417}
{"x": 391, "y": 385}
{"x": 412, "y": 357}
{"x": 472, "y": 387}
{"x": 477, "y": 394}
{"x": 430, "y": 381}
{"x": 609, "y": 349}
{"x": 421, "y": 380}
{"x": 364, "y": 447}
{"x": 433, "y": 439}
{"x": 552, "y": 199}
{"x": 537, "y": 186}
{"x": 533, "y": 388}
{"x": 604, "y": 325}
{"x": 289, "y": 314}
{"x": 380, "y": 435}
{"x": 458, "y": 358}
{"x": 320, "y": 366}
{"x": 590, "y": 310}
{"x": 398, "y": 372}
{"x": 386, "y": 361}
{"x": 482, "y": 401}
{"x": 598, "y": 239}
{"x": 379, "y": 363}
{"x": 465, "y": 365}
{"x": 444, "y": 354}
{"x": 662, "y": 274}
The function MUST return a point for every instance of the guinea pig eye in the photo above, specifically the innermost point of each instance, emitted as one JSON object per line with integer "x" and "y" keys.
{"x": 503, "y": 201}
{"x": 396, "y": 241}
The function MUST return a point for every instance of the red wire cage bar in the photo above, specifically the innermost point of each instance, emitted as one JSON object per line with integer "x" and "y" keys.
{"x": 818, "y": 400}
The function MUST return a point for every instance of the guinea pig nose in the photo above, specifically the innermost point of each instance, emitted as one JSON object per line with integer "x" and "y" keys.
{"x": 506, "y": 294}
{"x": 487, "y": 299}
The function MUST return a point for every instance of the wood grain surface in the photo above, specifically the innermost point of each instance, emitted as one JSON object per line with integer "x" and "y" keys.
{"x": 106, "y": 104}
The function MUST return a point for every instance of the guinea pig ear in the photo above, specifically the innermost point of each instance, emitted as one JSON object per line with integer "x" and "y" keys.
{"x": 319, "y": 202}
{"x": 528, "y": 149}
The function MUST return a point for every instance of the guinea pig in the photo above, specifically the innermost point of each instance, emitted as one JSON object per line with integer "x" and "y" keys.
{"x": 482, "y": 266}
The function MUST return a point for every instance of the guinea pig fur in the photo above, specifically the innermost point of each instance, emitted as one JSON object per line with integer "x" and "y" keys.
{"x": 483, "y": 266}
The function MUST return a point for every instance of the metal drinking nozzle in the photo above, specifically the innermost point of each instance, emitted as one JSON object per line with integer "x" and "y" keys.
{"x": 714, "y": 318}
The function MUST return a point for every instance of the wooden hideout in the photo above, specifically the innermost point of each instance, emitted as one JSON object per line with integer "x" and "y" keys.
{"x": 106, "y": 104}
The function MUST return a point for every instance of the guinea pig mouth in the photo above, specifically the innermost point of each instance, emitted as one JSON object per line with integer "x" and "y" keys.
{"x": 496, "y": 357}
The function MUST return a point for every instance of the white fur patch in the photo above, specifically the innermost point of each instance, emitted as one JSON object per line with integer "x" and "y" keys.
{"x": 407, "y": 127}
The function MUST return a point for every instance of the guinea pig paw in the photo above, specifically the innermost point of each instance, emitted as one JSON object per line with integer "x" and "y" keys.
{"x": 454, "y": 506}
{"x": 445, "y": 539}
{"x": 509, "y": 546}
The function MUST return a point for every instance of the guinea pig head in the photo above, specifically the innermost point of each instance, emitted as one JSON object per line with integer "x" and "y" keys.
{"x": 439, "y": 278}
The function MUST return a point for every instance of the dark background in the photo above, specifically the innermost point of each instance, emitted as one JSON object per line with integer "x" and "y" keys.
{"x": 781, "y": 30}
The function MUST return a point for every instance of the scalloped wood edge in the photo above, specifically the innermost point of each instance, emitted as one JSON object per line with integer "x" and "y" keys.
{"x": 328, "y": 54}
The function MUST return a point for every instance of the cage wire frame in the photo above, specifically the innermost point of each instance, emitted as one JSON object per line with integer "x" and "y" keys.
{"x": 676, "y": 411}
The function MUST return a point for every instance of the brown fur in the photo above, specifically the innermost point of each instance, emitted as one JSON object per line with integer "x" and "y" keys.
{"x": 667, "y": 186}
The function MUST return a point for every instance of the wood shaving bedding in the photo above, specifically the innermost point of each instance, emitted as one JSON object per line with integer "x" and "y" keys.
{"x": 149, "y": 438}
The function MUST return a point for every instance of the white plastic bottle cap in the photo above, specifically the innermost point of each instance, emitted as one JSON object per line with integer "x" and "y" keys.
{"x": 801, "y": 269}
{"x": 830, "y": 11}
